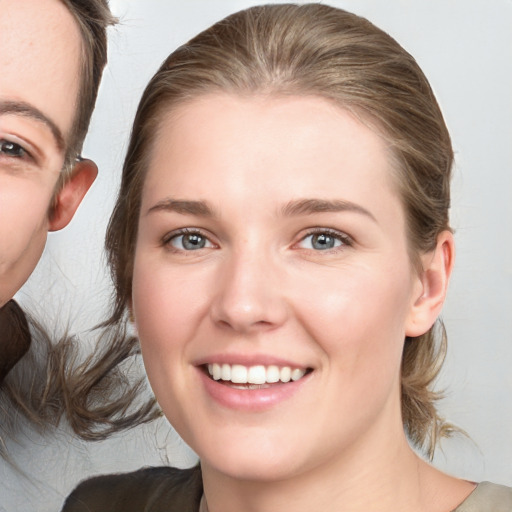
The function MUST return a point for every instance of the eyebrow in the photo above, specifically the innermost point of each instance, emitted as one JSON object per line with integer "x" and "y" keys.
{"x": 293, "y": 208}
{"x": 309, "y": 206}
{"x": 199, "y": 208}
{"x": 22, "y": 108}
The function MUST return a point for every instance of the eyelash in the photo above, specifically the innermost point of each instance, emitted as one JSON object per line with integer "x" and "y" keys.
{"x": 346, "y": 240}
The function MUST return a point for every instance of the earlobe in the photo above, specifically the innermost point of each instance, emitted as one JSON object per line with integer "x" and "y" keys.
{"x": 71, "y": 194}
{"x": 433, "y": 286}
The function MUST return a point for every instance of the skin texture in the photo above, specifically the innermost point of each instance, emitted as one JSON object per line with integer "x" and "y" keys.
{"x": 259, "y": 291}
{"x": 39, "y": 70}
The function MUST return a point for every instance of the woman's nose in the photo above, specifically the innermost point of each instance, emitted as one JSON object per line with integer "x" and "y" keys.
{"x": 250, "y": 296}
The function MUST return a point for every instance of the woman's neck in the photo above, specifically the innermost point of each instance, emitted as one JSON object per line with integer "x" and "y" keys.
{"x": 392, "y": 480}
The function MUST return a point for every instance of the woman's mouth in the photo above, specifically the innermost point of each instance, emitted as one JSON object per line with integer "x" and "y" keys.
{"x": 252, "y": 387}
{"x": 258, "y": 375}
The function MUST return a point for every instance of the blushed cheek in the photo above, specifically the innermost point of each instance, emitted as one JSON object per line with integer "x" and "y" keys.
{"x": 355, "y": 317}
{"x": 163, "y": 307}
{"x": 164, "y": 327}
{"x": 330, "y": 304}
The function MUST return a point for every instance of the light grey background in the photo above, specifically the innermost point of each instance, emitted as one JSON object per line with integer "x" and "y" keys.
{"x": 465, "y": 48}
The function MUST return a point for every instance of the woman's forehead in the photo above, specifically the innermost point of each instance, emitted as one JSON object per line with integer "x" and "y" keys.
{"x": 275, "y": 148}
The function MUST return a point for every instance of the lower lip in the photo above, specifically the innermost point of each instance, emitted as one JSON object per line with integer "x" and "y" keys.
{"x": 252, "y": 400}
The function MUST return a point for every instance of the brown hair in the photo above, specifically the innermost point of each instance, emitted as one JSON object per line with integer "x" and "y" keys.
{"x": 98, "y": 395}
{"x": 316, "y": 50}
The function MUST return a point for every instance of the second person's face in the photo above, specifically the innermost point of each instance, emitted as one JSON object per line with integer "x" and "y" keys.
{"x": 39, "y": 79}
{"x": 272, "y": 286}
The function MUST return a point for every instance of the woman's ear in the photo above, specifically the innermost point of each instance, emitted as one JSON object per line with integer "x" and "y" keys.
{"x": 433, "y": 284}
{"x": 69, "y": 197}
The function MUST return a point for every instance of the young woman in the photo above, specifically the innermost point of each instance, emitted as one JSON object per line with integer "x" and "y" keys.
{"x": 281, "y": 242}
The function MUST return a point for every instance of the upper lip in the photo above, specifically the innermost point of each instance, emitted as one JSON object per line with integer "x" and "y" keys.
{"x": 249, "y": 360}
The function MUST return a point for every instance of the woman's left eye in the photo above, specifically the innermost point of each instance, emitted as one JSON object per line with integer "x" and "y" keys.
{"x": 189, "y": 242}
{"x": 323, "y": 241}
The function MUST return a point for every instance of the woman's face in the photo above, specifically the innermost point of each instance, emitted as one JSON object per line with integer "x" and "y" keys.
{"x": 272, "y": 288}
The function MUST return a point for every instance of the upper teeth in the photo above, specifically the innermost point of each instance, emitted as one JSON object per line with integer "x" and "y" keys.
{"x": 239, "y": 374}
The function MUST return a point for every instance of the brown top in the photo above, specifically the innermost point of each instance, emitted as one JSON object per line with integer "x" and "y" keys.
{"x": 165, "y": 489}
{"x": 160, "y": 489}
{"x": 14, "y": 336}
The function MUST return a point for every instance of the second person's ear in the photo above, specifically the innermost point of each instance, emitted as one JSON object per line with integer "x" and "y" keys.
{"x": 70, "y": 196}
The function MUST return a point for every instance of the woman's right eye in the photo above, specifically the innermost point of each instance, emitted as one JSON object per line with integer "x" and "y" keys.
{"x": 189, "y": 241}
{"x": 12, "y": 150}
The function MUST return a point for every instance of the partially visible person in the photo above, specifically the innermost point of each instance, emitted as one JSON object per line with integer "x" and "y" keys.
{"x": 282, "y": 242}
{"x": 42, "y": 126}
{"x": 52, "y": 56}
{"x": 41, "y": 183}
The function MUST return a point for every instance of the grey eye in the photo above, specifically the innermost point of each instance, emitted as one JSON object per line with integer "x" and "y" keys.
{"x": 190, "y": 242}
{"x": 320, "y": 242}
{"x": 323, "y": 241}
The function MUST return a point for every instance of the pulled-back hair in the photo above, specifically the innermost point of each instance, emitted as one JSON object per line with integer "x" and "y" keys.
{"x": 318, "y": 50}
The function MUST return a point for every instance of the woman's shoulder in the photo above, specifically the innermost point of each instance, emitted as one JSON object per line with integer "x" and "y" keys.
{"x": 154, "y": 489}
{"x": 488, "y": 497}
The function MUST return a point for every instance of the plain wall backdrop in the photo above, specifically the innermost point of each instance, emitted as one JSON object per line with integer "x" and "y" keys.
{"x": 465, "y": 49}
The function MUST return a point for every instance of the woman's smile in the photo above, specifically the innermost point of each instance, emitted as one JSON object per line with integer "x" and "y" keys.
{"x": 251, "y": 388}
{"x": 254, "y": 374}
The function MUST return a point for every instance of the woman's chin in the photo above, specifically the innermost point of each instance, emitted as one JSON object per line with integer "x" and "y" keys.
{"x": 250, "y": 467}
{"x": 250, "y": 458}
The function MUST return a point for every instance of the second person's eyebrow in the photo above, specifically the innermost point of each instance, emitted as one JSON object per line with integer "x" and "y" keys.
{"x": 22, "y": 108}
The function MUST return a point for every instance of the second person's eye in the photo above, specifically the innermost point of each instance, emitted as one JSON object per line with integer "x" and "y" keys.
{"x": 11, "y": 149}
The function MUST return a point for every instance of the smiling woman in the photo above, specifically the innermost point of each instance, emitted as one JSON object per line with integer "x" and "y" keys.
{"x": 282, "y": 244}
